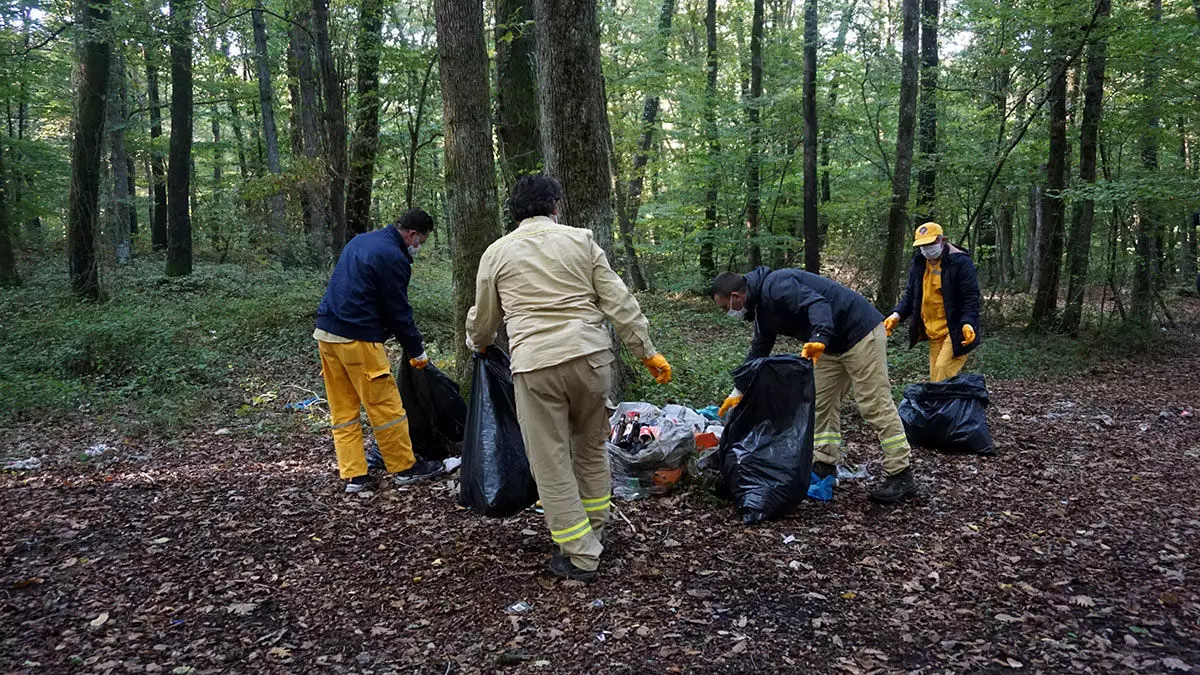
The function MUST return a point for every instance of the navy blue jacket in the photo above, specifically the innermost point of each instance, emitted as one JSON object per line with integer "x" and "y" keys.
{"x": 960, "y": 293}
{"x": 807, "y": 307}
{"x": 367, "y": 296}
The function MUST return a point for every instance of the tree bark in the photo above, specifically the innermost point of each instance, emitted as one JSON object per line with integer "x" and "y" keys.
{"x": 898, "y": 225}
{"x": 266, "y": 104}
{"x": 754, "y": 156}
{"x": 1080, "y": 247}
{"x": 1004, "y": 237}
{"x": 179, "y": 167}
{"x": 1050, "y": 242}
{"x": 812, "y": 236}
{"x": 120, "y": 233}
{"x": 1187, "y": 235}
{"x": 1145, "y": 282}
{"x": 470, "y": 166}
{"x": 366, "y": 128}
{"x": 158, "y": 183}
{"x": 839, "y": 47}
{"x": 335, "y": 124}
{"x": 8, "y": 261}
{"x": 415, "y": 121}
{"x": 518, "y": 119}
{"x": 628, "y": 215}
{"x": 927, "y": 173}
{"x": 315, "y": 205}
{"x": 708, "y": 264}
{"x": 92, "y": 63}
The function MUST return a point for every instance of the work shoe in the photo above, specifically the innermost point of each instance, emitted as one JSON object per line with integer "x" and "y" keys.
{"x": 824, "y": 470}
{"x": 423, "y": 469}
{"x": 363, "y": 483}
{"x": 562, "y": 566}
{"x": 896, "y": 488}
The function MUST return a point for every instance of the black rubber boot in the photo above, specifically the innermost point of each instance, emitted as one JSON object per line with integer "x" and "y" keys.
{"x": 896, "y": 488}
{"x": 562, "y": 566}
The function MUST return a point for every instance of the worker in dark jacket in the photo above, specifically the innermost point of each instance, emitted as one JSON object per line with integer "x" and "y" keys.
{"x": 365, "y": 303}
{"x": 943, "y": 299}
{"x": 844, "y": 337}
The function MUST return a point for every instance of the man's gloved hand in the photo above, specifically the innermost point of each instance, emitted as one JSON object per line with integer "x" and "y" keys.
{"x": 891, "y": 322}
{"x": 968, "y": 334}
{"x": 473, "y": 348}
{"x": 731, "y": 402}
{"x": 419, "y": 362}
{"x": 812, "y": 351}
{"x": 659, "y": 368}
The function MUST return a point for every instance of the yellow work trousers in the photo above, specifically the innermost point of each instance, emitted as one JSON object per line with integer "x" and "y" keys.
{"x": 864, "y": 369}
{"x": 563, "y": 411}
{"x": 943, "y": 364}
{"x": 359, "y": 373}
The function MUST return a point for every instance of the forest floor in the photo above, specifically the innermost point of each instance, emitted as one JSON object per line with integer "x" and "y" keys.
{"x": 224, "y": 548}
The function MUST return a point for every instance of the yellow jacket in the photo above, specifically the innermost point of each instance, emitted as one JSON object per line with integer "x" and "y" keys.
{"x": 553, "y": 288}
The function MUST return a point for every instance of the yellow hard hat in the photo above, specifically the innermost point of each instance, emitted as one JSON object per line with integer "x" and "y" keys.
{"x": 927, "y": 234}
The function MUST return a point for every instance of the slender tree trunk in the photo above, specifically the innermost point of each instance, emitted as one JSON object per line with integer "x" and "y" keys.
{"x": 1187, "y": 237}
{"x": 335, "y": 124}
{"x": 927, "y": 173}
{"x": 131, "y": 171}
{"x": 898, "y": 225}
{"x": 1050, "y": 243}
{"x": 470, "y": 167}
{"x": 1080, "y": 248}
{"x": 158, "y": 182}
{"x": 812, "y": 237}
{"x": 1147, "y": 221}
{"x": 839, "y": 47}
{"x": 179, "y": 168}
{"x": 366, "y": 128}
{"x": 8, "y": 261}
{"x": 415, "y": 123}
{"x": 754, "y": 157}
{"x": 92, "y": 63}
{"x": 518, "y": 126}
{"x": 120, "y": 235}
{"x": 315, "y": 204}
{"x": 266, "y": 104}
{"x": 1004, "y": 237}
{"x": 708, "y": 264}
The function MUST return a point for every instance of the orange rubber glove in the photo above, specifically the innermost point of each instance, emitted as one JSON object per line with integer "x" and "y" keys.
{"x": 731, "y": 402}
{"x": 891, "y": 322}
{"x": 659, "y": 369}
{"x": 419, "y": 362}
{"x": 968, "y": 334}
{"x": 812, "y": 350}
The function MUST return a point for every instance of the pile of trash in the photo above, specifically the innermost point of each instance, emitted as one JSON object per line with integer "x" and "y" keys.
{"x": 650, "y": 448}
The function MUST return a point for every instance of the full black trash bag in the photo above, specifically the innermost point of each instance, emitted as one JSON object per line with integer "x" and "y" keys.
{"x": 766, "y": 451}
{"x": 437, "y": 414}
{"x": 495, "y": 480}
{"x": 948, "y": 416}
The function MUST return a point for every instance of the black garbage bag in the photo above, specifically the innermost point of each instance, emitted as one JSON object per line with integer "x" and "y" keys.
{"x": 948, "y": 416}
{"x": 495, "y": 480}
{"x": 437, "y": 413}
{"x": 766, "y": 451}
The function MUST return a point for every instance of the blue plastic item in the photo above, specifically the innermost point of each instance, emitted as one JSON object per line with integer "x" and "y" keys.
{"x": 710, "y": 413}
{"x": 821, "y": 489}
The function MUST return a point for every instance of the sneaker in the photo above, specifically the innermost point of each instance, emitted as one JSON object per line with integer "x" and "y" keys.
{"x": 423, "y": 469}
{"x": 897, "y": 487}
{"x": 364, "y": 483}
{"x": 562, "y": 566}
{"x": 824, "y": 470}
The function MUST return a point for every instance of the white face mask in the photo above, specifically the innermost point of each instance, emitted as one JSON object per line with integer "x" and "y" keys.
{"x": 738, "y": 314}
{"x": 412, "y": 251}
{"x": 932, "y": 251}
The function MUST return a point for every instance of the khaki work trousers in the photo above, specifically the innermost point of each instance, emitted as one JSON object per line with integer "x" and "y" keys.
{"x": 943, "y": 364}
{"x": 359, "y": 373}
{"x": 563, "y": 411}
{"x": 863, "y": 369}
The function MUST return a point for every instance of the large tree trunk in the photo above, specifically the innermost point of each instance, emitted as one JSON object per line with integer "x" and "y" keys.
{"x": 158, "y": 182}
{"x": 628, "y": 215}
{"x": 179, "y": 167}
{"x": 470, "y": 167}
{"x": 927, "y": 173}
{"x": 1080, "y": 248}
{"x": 1147, "y": 222}
{"x": 8, "y": 260}
{"x": 754, "y": 156}
{"x": 266, "y": 104}
{"x": 120, "y": 235}
{"x": 366, "y": 128}
{"x": 315, "y": 204}
{"x": 708, "y": 263}
{"x": 335, "y": 124}
{"x": 518, "y": 119}
{"x": 898, "y": 225}
{"x": 1050, "y": 243}
{"x": 812, "y": 237}
{"x": 91, "y": 86}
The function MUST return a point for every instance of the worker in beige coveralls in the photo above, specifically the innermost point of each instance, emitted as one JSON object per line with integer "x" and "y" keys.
{"x": 553, "y": 288}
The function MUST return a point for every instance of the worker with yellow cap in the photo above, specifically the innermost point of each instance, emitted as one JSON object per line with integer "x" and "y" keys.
{"x": 942, "y": 297}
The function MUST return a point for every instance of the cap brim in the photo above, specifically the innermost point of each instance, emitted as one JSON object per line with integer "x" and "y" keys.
{"x": 922, "y": 241}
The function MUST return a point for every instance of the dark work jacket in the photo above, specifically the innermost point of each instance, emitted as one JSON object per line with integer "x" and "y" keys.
{"x": 367, "y": 296}
{"x": 807, "y": 307}
{"x": 960, "y": 293}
